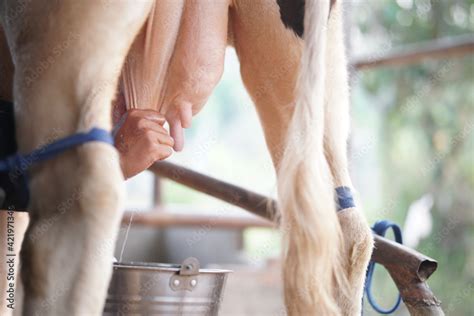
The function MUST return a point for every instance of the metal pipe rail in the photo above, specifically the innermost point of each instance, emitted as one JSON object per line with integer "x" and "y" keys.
{"x": 408, "y": 268}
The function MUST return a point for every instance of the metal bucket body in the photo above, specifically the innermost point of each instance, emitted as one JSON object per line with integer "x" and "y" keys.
{"x": 165, "y": 289}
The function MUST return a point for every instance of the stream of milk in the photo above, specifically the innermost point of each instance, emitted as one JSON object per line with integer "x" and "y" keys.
{"x": 126, "y": 237}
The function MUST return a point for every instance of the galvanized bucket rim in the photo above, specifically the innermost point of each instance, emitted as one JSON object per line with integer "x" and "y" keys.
{"x": 168, "y": 267}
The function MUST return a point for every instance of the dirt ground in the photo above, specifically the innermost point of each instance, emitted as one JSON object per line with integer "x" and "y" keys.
{"x": 253, "y": 291}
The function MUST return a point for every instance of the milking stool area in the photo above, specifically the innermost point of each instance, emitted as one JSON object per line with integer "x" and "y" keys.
{"x": 139, "y": 288}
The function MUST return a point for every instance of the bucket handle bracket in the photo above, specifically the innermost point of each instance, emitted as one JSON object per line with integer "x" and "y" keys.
{"x": 186, "y": 278}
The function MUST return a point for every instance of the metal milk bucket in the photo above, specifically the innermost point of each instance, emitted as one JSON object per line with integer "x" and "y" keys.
{"x": 165, "y": 289}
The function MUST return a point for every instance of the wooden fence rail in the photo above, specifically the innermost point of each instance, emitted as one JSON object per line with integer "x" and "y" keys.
{"x": 414, "y": 53}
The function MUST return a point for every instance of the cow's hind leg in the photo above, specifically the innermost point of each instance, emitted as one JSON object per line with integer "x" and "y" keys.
{"x": 270, "y": 57}
{"x": 355, "y": 230}
{"x": 68, "y": 56}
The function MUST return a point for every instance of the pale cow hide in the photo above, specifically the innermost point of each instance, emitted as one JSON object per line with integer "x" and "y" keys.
{"x": 69, "y": 56}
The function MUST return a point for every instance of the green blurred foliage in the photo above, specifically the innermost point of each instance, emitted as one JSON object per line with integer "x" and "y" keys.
{"x": 425, "y": 133}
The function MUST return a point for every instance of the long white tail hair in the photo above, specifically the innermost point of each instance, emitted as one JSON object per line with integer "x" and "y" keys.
{"x": 311, "y": 231}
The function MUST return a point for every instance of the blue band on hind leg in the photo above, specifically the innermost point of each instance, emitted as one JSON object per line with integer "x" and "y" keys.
{"x": 344, "y": 198}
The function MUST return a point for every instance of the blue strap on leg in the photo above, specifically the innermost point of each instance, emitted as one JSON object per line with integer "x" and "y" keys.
{"x": 380, "y": 228}
{"x": 344, "y": 198}
{"x": 21, "y": 163}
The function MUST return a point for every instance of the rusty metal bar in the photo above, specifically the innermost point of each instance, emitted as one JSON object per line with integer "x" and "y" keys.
{"x": 414, "y": 53}
{"x": 408, "y": 268}
{"x": 255, "y": 203}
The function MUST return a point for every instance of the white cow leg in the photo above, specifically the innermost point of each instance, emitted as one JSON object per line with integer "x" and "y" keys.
{"x": 355, "y": 230}
{"x": 68, "y": 55}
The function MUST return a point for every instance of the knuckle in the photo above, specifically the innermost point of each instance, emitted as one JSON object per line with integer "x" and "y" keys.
{"x": 149, "y": 134}
{"x": 133, "y": 113}
{"x": 163, "y": 130}
{"x": 162, "y": 152}
{"x": 141, "y": 123}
